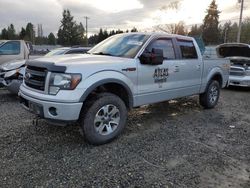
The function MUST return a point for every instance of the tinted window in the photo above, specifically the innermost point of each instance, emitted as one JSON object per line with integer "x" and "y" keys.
{"x": 10, "y": 48}
{"x": 188, "y": 50}
{"x": 164, "y": 44}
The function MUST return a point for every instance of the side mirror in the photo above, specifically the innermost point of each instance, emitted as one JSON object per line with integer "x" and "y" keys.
{"x": 152, "y": 58}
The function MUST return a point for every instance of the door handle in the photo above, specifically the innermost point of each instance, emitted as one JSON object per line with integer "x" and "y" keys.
{"x": 177, "y": 69}
{"x": 198, "y": 67}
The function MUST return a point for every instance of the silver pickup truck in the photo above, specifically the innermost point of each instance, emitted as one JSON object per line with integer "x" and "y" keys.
{"x": 124, "y": 71}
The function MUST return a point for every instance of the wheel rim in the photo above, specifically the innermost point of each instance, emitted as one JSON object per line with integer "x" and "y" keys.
{"x": 213, "y": 94}
{"x": 107, "y": 119}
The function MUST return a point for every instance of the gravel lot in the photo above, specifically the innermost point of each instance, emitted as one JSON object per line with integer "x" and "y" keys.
{"x": 171, "y": 144}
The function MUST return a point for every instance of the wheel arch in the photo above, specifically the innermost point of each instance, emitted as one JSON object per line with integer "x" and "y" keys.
{"x": 114, "y": 86}
{"x": 215, "y": 74}
{"x": 217, "y": 77}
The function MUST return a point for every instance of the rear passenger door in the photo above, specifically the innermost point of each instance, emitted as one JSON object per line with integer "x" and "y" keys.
{"x": 189, "y": 67}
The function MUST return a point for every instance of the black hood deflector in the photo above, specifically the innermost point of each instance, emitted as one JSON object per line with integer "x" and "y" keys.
{"x": 50, "y": 66}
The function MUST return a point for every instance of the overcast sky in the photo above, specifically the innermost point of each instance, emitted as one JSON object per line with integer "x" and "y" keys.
{"x": 113, "y": 14}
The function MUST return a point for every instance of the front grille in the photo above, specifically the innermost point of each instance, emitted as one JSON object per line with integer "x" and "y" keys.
{"x": 35, "y": 77}
{"x": 237, "y": 71}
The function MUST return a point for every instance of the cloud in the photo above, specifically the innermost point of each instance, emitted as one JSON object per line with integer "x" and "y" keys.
{"x": 110, "y": 14}
{"x": 20, "y": 12}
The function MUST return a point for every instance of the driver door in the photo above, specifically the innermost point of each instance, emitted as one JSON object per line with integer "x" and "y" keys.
{"x": 155, "y": 80}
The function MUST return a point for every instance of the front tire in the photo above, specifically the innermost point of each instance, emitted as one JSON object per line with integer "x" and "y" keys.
{"x": 104, "y": 118}
{"x": 210, "y": 98}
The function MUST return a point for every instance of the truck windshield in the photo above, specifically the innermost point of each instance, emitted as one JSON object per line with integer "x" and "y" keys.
{"x": 122, "y": 45}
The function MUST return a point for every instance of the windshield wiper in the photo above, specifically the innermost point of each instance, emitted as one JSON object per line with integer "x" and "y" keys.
{"x": 102, "y": 53}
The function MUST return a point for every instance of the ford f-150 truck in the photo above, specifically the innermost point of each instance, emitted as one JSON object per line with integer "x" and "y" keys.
{"x": 124, "y": 71}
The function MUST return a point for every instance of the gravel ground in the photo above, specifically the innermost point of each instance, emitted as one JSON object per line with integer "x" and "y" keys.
{"x": 170, "y": 144}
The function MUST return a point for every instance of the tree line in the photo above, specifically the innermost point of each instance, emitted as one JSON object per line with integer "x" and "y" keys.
{"x": 71, "y": 33}
{"x": 210, "y": 30}
{"x": 27, "y": 33}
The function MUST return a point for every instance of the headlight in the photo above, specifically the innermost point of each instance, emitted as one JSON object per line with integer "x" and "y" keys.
{"x": 60, "y": 81}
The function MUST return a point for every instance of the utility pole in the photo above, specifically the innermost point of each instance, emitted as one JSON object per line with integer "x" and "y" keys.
{"x": 86, "y": 18}
{"x": 240, "y": 21}
{"x": 225, "y": 34}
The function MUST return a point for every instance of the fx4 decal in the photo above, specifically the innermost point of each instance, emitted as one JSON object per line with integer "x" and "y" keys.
{"x": 160, "y": 75}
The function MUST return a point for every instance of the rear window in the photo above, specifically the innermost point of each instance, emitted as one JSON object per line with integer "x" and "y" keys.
{"x": 188, "y": 50}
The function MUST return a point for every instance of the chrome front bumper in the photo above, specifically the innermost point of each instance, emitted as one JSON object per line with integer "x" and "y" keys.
{"x": 243, "y": 81}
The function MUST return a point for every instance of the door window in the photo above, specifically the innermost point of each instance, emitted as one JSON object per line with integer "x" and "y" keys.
{"x": 10, "y": 48}
{"x": 188, "y": 50}
{"x": 165, "y": 45}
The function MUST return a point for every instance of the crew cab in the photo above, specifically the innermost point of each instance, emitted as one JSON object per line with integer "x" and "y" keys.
{"x": 122, "y": 72}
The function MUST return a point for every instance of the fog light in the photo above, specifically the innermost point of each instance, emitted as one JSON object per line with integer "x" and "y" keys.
{"x": 52, "y": 111}
{"x": 53, "y": 90}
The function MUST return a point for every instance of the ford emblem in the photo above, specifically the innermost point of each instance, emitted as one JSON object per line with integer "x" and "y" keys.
{"x": 27, "y": 75}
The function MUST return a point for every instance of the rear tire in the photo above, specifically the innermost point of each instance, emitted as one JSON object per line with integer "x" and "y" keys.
{"x": 103, "y": 118}
{"x": 210, "y": 98}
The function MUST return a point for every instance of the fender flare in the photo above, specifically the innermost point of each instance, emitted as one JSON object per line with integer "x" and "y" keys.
{"x": 108, "y": 81}
{"x": 215, "y": 71}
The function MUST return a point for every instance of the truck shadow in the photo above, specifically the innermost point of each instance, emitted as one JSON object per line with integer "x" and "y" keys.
{"x": 237, "y": 88}
{"x": 142, "y": 118}
{"x": 6, "y": 96}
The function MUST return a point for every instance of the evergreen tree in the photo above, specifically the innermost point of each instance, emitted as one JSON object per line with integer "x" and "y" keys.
{"x": 134, "y": 30}
{"x": 69, "y": 32}
{"x": 100, "y": 36}
{"x": 81, "y": 39}
{"x": 30, "y": 33}
{"x": 22, "y": 33}
{"x": 211, "y": 24}
{"x": 11, "y": 32}
{"x": 245, "y": 33}
{"x": 4, "y": 34}
{"x": 51, "y": 39}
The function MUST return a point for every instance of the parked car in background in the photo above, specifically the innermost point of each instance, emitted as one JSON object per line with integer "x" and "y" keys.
{"x": 68, "y": 50}
{"x": 11, "y": 73}
{"x": 14, "y": 50}
{"x": 239, "y": 55}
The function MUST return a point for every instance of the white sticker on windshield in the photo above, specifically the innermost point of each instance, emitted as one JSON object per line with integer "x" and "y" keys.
{"x": 134, "y": 42}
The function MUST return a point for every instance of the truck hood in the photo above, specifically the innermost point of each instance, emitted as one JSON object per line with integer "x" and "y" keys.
{"x": 11, "y": 65}
{"x": 238, "y": 53}
{"x": 233, "y": 50}
{"x": 76, "y": 61}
